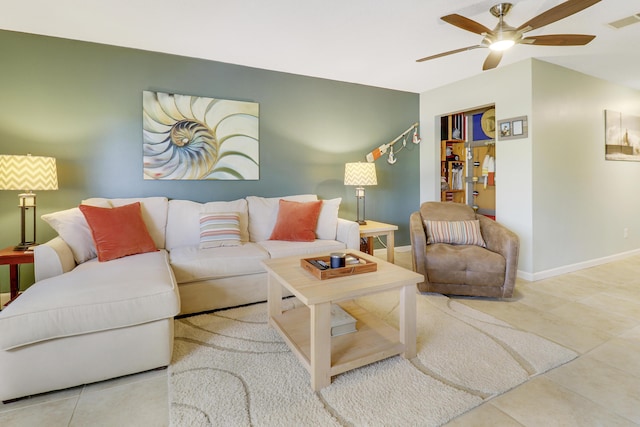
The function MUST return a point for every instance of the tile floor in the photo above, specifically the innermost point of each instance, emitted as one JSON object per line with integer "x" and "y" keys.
{"x": 595, "y": 312}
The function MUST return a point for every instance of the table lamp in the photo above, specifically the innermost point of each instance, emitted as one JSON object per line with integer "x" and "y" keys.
{"x": 360, "y": 174}
{"x": 27, "y": 173}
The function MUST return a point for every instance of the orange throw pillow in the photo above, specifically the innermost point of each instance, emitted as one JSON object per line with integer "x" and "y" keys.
{"x": 296, "y": 221}
{"x": 118, "y": 232}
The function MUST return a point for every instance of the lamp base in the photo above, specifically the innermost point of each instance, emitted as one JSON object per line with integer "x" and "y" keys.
{"x": 362, "y": 222}
{"x": 25, "y": 246}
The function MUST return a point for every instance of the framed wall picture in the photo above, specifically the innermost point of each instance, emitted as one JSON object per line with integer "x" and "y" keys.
{"x": 513, "y": 128}
{"x": 198, "y": 138}
{"x": 622, "y": 136}
{"x": 505, "y": 129}
{"x": 517, "y": 128}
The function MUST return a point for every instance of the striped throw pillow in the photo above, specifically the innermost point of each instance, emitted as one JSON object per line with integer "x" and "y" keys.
{"x": 219, "y": 229}
{"x": 454, "y": 232}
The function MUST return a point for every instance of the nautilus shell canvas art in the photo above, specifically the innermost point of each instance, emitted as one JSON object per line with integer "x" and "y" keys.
{"x": 198, "y": 138}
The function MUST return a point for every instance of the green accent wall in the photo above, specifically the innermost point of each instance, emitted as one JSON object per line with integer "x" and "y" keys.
{"x": 82, "y": 103}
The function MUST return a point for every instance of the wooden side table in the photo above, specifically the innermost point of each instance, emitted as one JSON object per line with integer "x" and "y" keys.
{"x": 13, "y": 258}
{"x": 372, "y": 229}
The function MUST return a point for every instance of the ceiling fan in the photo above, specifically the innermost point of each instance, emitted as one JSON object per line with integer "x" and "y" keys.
{"x": 503, "y": 36}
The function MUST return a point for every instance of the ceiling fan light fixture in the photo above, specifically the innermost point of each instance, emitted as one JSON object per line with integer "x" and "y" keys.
{"x": 501, "y": 45}
{"x": 504, "y": 36}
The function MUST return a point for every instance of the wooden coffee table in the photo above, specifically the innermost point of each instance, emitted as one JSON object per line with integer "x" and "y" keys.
{"x": 307, "y": 329}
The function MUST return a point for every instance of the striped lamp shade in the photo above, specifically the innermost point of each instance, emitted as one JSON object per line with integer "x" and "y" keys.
{"x": 28, "y": 173}
{"x": 360, "y": 174}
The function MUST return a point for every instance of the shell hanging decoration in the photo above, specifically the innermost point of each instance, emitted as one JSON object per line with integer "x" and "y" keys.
{"x": 197, "y": 138}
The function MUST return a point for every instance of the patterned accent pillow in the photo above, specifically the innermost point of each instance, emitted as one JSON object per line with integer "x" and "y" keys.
{"x": 219, "y": 229}
{"x": 455, "y": 232}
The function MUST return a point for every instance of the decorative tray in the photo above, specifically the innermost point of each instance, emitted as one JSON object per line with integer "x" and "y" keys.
{"x": 363, "y": 266}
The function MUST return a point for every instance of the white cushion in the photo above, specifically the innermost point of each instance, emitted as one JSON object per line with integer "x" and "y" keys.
{"x": 263, "y": 213}
{"x": 72, "y": 227}
{"x": 183, "y": 220}
{"x": 154, "y": 214}
{"x": 95, "y": 296}
{"x": 191, "y": 264}
{"x": 279, "y": 248}
{"x": 328, "y": 219}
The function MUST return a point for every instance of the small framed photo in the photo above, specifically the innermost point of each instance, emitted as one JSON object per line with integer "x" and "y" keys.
{"x": 513, "y": 128}
{"x": 517, "y": 128}
{"x": 505, "y": 129}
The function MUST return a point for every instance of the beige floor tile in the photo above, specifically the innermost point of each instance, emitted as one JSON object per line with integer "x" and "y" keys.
{"x": 608, "y": 321}
{"x": 614, "y": 302}
{"x": 610, "y": 387}
{"x": 140, "y": 404}
{"x": 628, "y": 291}
{"x": 52, "y": 413}
{"x": 620, "y": 353}
{"x": 486, "y": 415}
{"x": 532, "y": 297}
{"x": 616, "y": 272}
{"x": 542, "y": 402}
{"x": 571, "y": 286}
{"x": 632, "y": 334}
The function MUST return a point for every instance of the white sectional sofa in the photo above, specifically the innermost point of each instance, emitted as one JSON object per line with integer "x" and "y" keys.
{"x": 85, "y": 321}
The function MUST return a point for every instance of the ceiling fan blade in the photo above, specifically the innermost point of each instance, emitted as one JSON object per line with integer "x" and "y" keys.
{"x": 492, "y": 60}
{"x": 557, "y": 13}
{"x": 559, "y": 40}
{"x": 466, "y": 24}
{"x": 450, "y": 52}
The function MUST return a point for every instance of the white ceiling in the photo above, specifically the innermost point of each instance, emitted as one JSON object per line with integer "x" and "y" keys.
{"x": 371, "y": 42}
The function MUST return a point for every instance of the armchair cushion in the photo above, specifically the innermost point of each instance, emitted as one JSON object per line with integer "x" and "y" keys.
{"x": 468, "y": 264}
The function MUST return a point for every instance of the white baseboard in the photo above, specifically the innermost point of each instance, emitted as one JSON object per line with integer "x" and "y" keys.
{"x": 541, "y": 275}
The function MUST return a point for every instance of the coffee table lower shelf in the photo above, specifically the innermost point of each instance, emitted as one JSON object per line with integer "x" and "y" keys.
{"x": 374, "y": 339}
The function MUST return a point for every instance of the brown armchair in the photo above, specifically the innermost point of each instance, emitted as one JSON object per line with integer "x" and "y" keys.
{"x": 464, "y": 269}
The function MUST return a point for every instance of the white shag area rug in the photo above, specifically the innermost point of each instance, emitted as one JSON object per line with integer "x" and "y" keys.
{"x": 230, "y": 368}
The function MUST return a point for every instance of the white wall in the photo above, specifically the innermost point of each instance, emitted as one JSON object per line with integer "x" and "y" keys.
{"x": 581, "y": 202}
{"x": 554, "y": 189}
{"x": 509, "y": 89}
